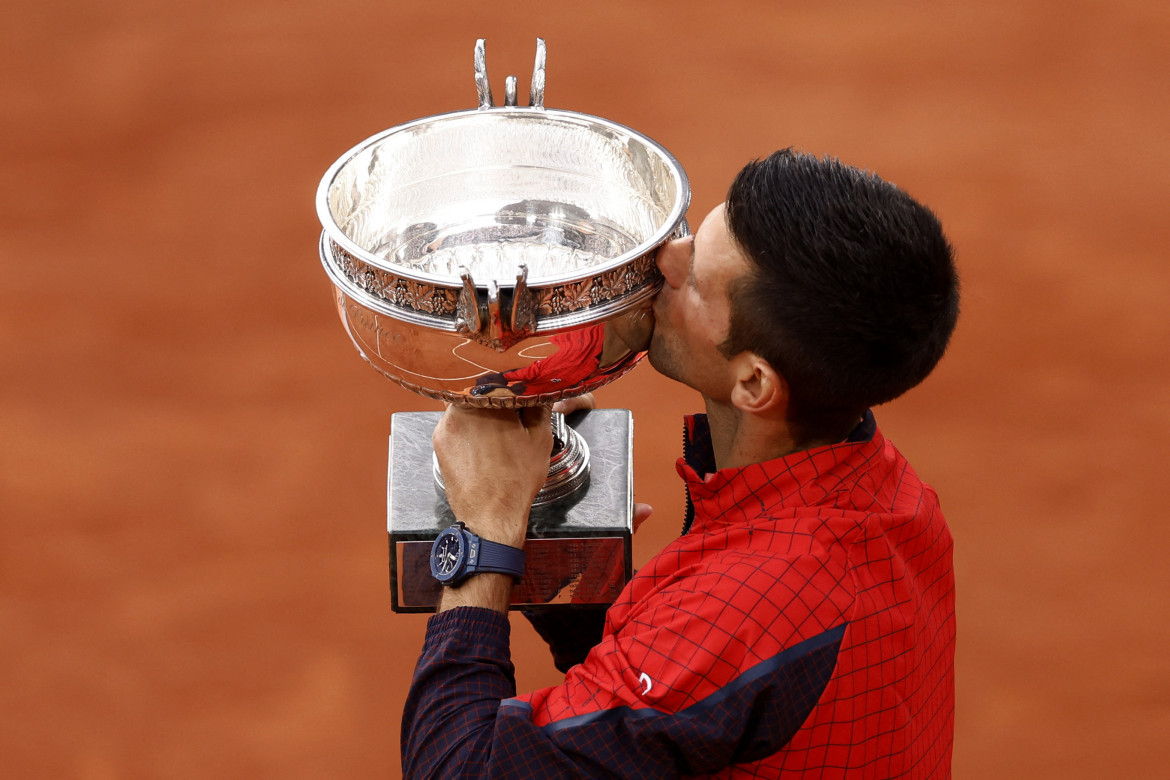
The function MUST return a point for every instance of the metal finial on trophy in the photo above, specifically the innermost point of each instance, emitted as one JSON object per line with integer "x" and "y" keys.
{"x": 536, "y": 91}
{"x": 483, "y": 87}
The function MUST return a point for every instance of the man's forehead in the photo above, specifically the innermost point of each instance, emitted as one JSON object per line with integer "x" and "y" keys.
{"x": 714, "y": 217}
{"x": 711, "y": 230}
{"x": 717, "y": 252}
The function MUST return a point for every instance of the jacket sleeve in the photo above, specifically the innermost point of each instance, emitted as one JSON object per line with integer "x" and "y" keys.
{"x": 643, "y": 704}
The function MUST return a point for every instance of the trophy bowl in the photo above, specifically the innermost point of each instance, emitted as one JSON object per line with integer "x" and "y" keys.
{"x": 500, "y": 256}
{"x": 503, "y": 257}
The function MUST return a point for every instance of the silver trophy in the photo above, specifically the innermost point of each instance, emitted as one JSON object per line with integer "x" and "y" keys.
{"x": 503, "y": 257}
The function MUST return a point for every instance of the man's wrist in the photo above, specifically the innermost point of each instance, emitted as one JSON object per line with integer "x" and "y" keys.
{"x": 488, "y": 590}
{"x": 512, "y": 533}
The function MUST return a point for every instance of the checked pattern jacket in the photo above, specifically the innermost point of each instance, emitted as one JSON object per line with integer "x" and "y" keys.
{"x": 802, "y": 626}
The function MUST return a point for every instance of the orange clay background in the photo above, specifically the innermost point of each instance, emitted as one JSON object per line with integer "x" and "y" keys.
{"x": 193, "y": 563}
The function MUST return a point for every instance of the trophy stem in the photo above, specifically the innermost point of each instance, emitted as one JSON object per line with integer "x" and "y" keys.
{"x": 568, "y": 465}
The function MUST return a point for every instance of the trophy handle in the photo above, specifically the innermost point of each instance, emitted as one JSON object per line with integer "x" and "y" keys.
{"x": 493, "y": 322}
{"x": 483, "y": 88}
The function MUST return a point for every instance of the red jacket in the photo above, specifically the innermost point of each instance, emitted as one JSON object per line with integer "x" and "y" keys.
{"x": 803, "y": 623}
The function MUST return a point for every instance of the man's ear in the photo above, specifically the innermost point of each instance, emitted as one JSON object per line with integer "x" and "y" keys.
{"x": 759, "y": 389}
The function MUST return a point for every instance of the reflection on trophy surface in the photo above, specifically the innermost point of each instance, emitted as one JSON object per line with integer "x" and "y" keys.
{"x": 504, "y": 257}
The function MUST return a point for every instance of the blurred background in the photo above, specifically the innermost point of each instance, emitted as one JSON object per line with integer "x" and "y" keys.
{"x": 193, "y": 557}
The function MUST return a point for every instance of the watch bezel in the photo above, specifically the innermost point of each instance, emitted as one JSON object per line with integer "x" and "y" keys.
{"x": 455, "y": 574}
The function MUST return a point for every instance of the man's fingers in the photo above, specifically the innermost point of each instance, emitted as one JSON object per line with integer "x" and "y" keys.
{"x": 575, "y": 404}
{"x": 535, "y": 417}
{"x": 642, "y": 513}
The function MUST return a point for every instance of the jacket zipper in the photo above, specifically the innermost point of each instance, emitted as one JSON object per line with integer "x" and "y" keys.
{"x": 690, "y": 515}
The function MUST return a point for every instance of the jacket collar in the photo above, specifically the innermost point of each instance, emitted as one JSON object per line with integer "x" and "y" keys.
{"x": 814, "y": 476}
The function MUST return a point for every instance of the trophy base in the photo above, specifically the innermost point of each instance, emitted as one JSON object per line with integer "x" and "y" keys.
{"x": 579, "y": 548}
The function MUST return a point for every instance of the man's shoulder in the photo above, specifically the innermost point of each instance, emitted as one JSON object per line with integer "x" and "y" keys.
{"x": 763, "y": 569}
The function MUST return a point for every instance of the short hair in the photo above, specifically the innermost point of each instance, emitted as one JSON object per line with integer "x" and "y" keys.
{"x": 852, "y": 294}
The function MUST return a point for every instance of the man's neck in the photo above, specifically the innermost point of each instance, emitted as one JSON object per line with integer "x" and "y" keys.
{"x": 740, "y": 439}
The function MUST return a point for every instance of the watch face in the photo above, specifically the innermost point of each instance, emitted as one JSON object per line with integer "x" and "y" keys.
{"x": 447, "y": 555}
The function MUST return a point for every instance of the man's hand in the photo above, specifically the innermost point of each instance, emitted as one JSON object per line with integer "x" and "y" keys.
{"x": 493, "y": 462}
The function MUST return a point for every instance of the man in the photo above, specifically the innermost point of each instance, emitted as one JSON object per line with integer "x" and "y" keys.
{"x": 803, "y": 624}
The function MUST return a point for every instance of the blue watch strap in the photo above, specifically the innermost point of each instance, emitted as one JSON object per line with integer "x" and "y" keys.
{"x": 499, "y": 558}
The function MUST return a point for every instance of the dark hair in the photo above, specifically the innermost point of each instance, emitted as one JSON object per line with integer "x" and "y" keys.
{"x": 853, "y": 293}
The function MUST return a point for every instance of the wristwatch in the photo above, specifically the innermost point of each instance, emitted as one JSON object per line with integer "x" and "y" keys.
{"x": 458, "y": 554}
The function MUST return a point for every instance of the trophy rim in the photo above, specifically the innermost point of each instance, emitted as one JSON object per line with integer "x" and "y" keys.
{"x": 667, "y": 228}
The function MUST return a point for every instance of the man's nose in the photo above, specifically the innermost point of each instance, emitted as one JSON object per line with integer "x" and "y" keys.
{"x": 673, "y": 260}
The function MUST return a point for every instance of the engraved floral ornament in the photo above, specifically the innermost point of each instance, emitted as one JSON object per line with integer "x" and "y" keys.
{"x": 442, "y": 301}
